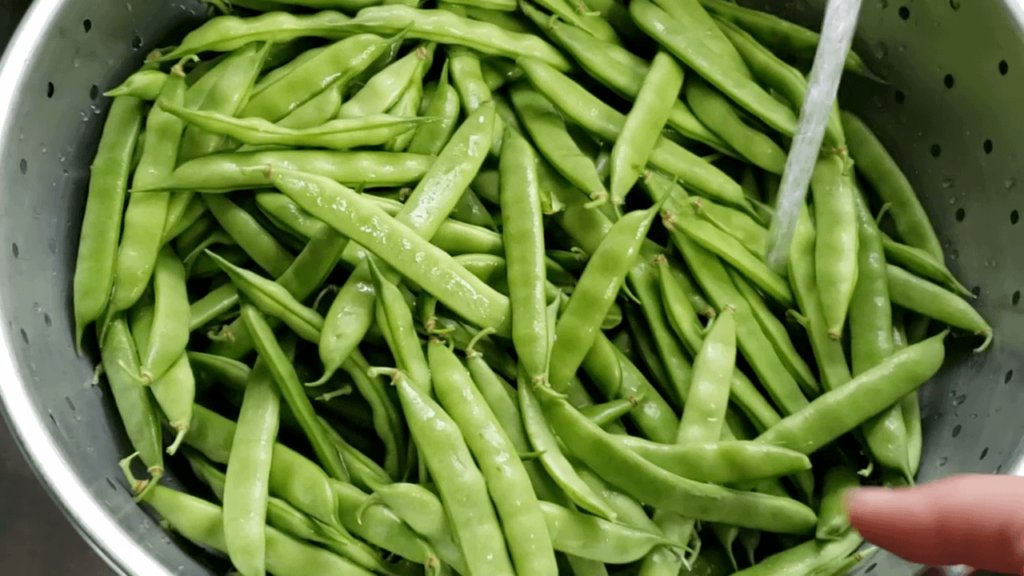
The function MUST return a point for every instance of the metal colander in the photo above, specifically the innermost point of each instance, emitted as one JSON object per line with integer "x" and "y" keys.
{"x": 951, "y": 115}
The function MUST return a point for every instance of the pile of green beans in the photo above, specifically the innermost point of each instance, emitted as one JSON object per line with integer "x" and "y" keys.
{"x": 479, "y": 288}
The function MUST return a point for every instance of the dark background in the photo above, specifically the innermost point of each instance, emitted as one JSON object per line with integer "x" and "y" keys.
{"x": 35, "y": 538}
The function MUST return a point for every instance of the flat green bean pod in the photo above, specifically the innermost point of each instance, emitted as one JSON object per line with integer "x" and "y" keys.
{"x": 227, "y": 33}
{"x": 597, "y": 539}
{"x": 624, "y": 469}
{"x": 718, "y": 114}
{"x": 838, "y": 411}
{"x": 549, "y": 133}
{"x": 686, "y": 41}
{"x": 386, "y": 87}
{"x": 423, "y": 263}
{"x": 606, "y": 123}
{"x": 724, "y": 462}
{"x": 144, "y": 85}
{"x": 923, "y": 264}
{"x": 623, "y": 72}
{"x": 423, "y": 511}
{"x": 445, "y": 27}
{"x": 835, "y": 250}
{"x": 782, "y": 36}
{"x": 228, "y": 172}
{"x": 274, "y": 300}
{"x": 833, "y": 522}
{"x": 341, "y": 134}
{"x": 934, "y": 301}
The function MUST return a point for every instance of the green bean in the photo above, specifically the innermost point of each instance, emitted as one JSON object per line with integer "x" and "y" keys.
{"x": 228, "y": 172}
{"x": 274, "y": 300}
{"x": 384, "y": 89}
{"x": 718, "y": 114}
{"x": 212, "y": 306}
{"x": 121, "y": 365}
{"x": 410, "y": 101}
{"x": 291, "y": 390}
{"x": 427, "y": 207}
{"x": 470, "y": 210}
{"x": 776, "y": 332}
{"x": 227, "y": 33}
{"x": 137, "y": 253}
{"x": 498, "y": 73}
{"x": 233, "y": 80}
{"x": 166, "y": 343}
{"x": 835, "y": 250}
{"x": 246, "y": 483}
{"x": 273, "y": 74}
{"x": 597, "y": 539}
{"x": 554, "y": 461}
{"x": 431, "y": 138}
{"x": 430, "y": 268}
{"x": 740, "y": 225}
{"x": 523, "y": 233}
{"x": 192, "y": 212}
{"x": 622, "y": 468}
{"x": 691, "y": 291}
{"x": 600, "y": 283}
{"x": 708, "y": 393}
{"x": 885, "y": 176}
{"x": 264, "y": 249}
{"x": 448, "y": 28}
{"x": 623, "y": 72}
{"x": 756, "y": 348}
{"x": 379, "y": 526}
{"x": 831, "y": 359}
{"x": 728, "y": 248}
{"x": 395, "y": 318}
{"x": 370, "y": 130}
{"x": 838, "y": 411}
{"x": 686, "y": 40}
{"x": 910, "y": 405}
{"x": 779, "y": 76}
{"x": 718, "y": 462}
{"x": 202, "y": 522}
{"x": 871, "y": 339}
{"x": 782, "y": 36}
{"x": 644, "y": 123}
{"x": 803, "y": 559}
{"x": 175, "y": 391}
{"x": 315, "y": 112}
{"x": 647, "y": 350}
{"x": 934, "y": 301}
{"x": 226, "y": 371}
{"x": 101, "y": 223}
{"x": 608, "y": 412}
{"x": 288, "y": 519}
{"x": 293, "y": 477}
{"x": 548, "y": 131}
{"x": 629, "y": 511}
{"x": 833, "y": 523}
{"x": 366, "y": 473}
{"x": 462, "y": 486}
{"x": 922, "y": 264}
{"x": 604, "y": 122}
{"x": 423, "y": 511}
{"x": 509, "y": 484}
{"x": 146, "y": 84}
{"x": 504, "y": 403}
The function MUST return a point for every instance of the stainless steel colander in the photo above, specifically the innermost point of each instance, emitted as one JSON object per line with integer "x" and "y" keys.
{"x": 953, "y": 116}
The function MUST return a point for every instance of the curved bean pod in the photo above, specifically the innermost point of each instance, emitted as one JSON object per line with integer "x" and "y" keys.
{"x": 933, "y": 301}
{"x": 833, "y": 522}
{"x": 597, "y": 539}
{"x": 445, "y": 27}
{"x": 835, "y": 250}
{"x": 923, "y": 264}
{"x": 803, "y": 559}
{"x": 145, "y": 84}
{"x": 423, "y": 263}
{"x": 228, "y": 172}
{"x": 169, "y": 332}
{"x": 292, "y": 391}
{"x": 246, "y": 482}
{"x": 622, "y": 468}
{"x": 687, "y": 43}
{"x": 892, "y": 186}
{"x": 606, "y": 123}
{"x": 274, "y": 300}
{"x": 432, "y": 137}
{"x": 719, "y": 462}
{"x": 423, "y": 511}
{"x": 385, "y": 88}
{"x": 838, "y": 411}
{"x": 101, "y": 223}
{"x": 507, "y": 480}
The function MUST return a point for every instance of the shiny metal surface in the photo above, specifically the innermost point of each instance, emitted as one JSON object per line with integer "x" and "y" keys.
{"x": 951, "y": 116}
